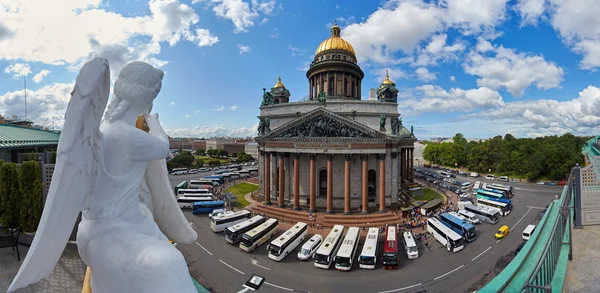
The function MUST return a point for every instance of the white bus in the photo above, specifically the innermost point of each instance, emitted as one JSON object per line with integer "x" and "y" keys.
{"x": 193, "y": 192}
{"x": 445, "y": 235}
{"x": 467, "y": 216}
{"x": 233, "y": 234}
{"x": 325, "y": 253}
{"x": 484, "y": 214}
{"x": 220, "y": 223}
{"x": 476, "y": 186}
{"x": 207, "y": 181}
{"x": 188, "y": 202}
{"x": 410, "y": 246}
{"x": 501, "y": 207}
{"x": 368, "y": 256}
{"x": 259, "y": 235}
{"x": 179, "y": 171}
{"x": 509, "y": 189}
{"x": 197, "y": 184}
{"x": 345, "y": 255}
{"x": 284, "y": 244}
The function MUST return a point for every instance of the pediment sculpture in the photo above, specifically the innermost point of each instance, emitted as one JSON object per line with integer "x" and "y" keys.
{"x": 323, "y": 126}
{"x": 104, "y": 169}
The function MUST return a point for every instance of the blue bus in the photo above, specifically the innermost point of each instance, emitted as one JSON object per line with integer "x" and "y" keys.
{"x": 463, "y": 228}
{"x": 490, "y": 193}
{"x": 220, "y": 178}
{"x": 206, "y": 207}
{"x": 508, "y": 202}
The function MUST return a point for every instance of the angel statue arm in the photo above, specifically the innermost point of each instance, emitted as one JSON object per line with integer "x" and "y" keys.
{"x": 99, "y": 171}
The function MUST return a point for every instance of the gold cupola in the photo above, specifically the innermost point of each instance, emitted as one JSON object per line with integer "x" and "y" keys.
{"x": 335, "y": 42}
{"x": 279, "y": 84}
{"x": 387, "y": 80}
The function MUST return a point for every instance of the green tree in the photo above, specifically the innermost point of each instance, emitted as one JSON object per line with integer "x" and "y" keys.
{"x": 183, "y": 160}
{"x": 53, "y": 158}
{"x": 11, "y": 199}
{"x": 30, "y": 186}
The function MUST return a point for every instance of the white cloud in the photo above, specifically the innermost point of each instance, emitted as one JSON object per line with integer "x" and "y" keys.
{"x": 187, "y": 115}
{"x": 266, "y": 7}
{"x": 202, "y": 38}
{"x": 219, "y": 109}
{"x": 240, "y": 13}
{"x": 437, "y": 49}
{"x": 505, "y": 68}
{"x": 214, "y": 131}
{"x": 233, "y": 108}
{"x": 297, "y": 51}
{"x": 243, "y": 48}
{"x": 19, "y": 70}
{"x": 394, "y": 73}
{"x": 432, "y": 98}
{"x": 424, "y": 74}
{"x": 40, "y": 75}
{"x": 275, "y": 34}
{"x": 530, "y": 11}
{"x": 172, "y": 103}
{"x": 452, "y": 78}
{"x": 198, "y": 111}
{"x": 474, "y": 16}
{"x": 87, "y": 30}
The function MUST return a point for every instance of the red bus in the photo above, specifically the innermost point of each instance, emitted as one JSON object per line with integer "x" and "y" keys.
{"x": 390, "y": 249}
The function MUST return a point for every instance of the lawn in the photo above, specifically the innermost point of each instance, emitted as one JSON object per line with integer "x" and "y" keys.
{"x": 428, "y": 195}
{"x": 206, "y": 159}
{"x": 240, "y": 190}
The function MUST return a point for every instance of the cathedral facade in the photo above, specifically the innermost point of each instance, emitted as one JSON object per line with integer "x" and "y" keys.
{"x": 333, "y": 152}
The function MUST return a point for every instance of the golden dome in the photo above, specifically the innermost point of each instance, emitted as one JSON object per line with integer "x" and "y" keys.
{"x": 335, "y": 42}
{"x": 279, "y": 84}
{"x": 387, "y": 80}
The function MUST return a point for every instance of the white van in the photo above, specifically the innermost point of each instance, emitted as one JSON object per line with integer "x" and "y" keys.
{"x": 469, "y": 217}
{"x": 528, "y": 231}
{"x": 410, "y": 246}
{"x": 466, "y": 184}
{"x": 474, "y": 174}
{"x": 503, "y": 178}
{"x": 309, "y": 248}
{"x": 490, "y": 176}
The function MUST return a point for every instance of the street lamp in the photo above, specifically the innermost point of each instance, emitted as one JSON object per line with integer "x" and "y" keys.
{"x": 253, "y": 283}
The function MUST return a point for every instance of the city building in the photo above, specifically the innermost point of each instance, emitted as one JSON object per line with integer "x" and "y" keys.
{"x": 15, "y": 141}
{"x": 372, "y": 95}
{"x": 333, "y": 151}
{"x": 234, "y": 147}
{"x": 252, "y": 149}
{"x": 199, "y": 144}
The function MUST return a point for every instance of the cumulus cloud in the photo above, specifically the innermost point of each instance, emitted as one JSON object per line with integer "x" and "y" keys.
{"x": 243, "y": 48}
{"x": 499, "y": 67}
{"x": 202, "y": 37}
{"x": 172, "y": 103}
{"x": 233, "y": 108}
{"x": 424, "y": 74}
{"x": 214, "y": 131}
{"x": 19, "y": 70}
{"x": 240, "y": 13}
{"x": 219, "y": 109}
{"x": 437, "y": 50}
{"x": 530, "y": 11}
{"x": 40, "y": 75}
{"x": 433, "y": 98}
{"x": 187, "y": 115}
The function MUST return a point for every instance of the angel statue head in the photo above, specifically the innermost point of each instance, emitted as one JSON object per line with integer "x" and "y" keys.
{"x": 137, "y": 86}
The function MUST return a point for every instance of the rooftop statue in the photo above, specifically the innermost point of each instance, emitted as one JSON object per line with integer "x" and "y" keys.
{"x": 100, "y": 170}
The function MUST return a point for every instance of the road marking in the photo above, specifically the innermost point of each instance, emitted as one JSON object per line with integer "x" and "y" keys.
{"x": 498, "y": 240}
{"x": 481, "y": 253}
{"x": 204, "y": 248}
{"x": 282, "y": 288}
{"x": 521, "y": 219}
{"x": 400, "y": 289}
{"x": 232, "y": 267}
{"x": 539, "y": 208}
{"x": 255, "y": 262}
{"x": 448, "y": 273}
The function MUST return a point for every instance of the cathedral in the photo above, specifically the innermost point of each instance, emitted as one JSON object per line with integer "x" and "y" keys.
{"x": 334, "y": 152}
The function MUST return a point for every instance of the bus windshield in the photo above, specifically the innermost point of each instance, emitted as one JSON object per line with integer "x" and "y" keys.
{"x": 390, "y": 258}
{"x": 305, "y": 251}
{"x": 342, "y": 261}
{"x": 274, "y": 249}
{"x": 322, "y": 259}
{"x": 367, "y": 260}
{"x": 457, "y": 243}
{"x": 247, "y": 241}
{"x": 412, "y": 249}
{"x": 471, "y": 234}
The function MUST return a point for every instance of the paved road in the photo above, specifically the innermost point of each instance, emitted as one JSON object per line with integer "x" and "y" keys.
{"x": 224, "y": 267}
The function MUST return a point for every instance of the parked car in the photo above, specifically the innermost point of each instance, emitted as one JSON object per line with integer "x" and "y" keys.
{"x": 540, "y": 183}
{"x": 502, "y": 232}
{"x": 513, "y": 180}
{"x": 551, "y": 184}
{"x": 562, "y": 183}
{"x": 503, "y": 178}
{"x": 490, "y": 176}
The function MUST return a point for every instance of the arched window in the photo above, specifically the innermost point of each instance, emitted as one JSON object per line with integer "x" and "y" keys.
{"x": 345, "y": 87}
{"x": 352, "y": 89}
{"x": 330, "y": 85}
{"x": 371, "y": 185}
{"x": 323, "y": 182}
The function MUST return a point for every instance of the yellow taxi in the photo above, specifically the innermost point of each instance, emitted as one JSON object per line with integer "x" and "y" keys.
{"x": 502, "y": 232}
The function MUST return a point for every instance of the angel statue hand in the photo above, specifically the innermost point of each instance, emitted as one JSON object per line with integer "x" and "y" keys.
{"x": 154, "y": 125}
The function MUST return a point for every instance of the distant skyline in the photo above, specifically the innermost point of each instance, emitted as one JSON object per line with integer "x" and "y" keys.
{"x": 481, "y": 68}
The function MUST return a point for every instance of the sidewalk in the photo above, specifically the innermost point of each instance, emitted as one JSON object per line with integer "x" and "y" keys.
{"x": 583, "y": 272}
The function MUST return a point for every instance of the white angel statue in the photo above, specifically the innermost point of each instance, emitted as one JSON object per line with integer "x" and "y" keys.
{"x": 100, "y": 171}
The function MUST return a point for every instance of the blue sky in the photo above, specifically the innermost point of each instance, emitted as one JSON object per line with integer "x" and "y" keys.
{"x": 482, "y": 68}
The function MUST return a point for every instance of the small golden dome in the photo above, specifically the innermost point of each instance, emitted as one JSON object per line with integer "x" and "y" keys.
{"x": 279, "y": 84}
{"x": 387, "y": 80}
{"x": 335, "y": 42}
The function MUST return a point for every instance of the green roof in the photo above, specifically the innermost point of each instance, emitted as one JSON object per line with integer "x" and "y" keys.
{"x": 590, "y": 148}
{"x": 13, "y": 136}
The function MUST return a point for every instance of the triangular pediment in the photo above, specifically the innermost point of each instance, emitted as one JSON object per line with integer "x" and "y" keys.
{"x": 321, "y": 123}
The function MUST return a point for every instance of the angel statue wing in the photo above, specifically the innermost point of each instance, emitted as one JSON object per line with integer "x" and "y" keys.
{"x": 75, "y": 172}
{"x": 156, "y": 193}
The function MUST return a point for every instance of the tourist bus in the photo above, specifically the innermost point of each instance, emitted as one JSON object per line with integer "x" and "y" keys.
{"x": 188, "y": 202}
{"x": 499, "y": 206}
{"x": 244, "y": 173}
{"x": 219, "y": 172}
{"x": 506, "y": 188}
{"x": 198, "y": 192}
{"x": 390, "y": 249}
{"x": 476, "y": 186}
{"x": 445, "y": 235}
{"x": 207, "y": 181}
{"x": 508, "y": 202}
{"x": 485, "y": 215}
{"x": 410, "y": 245}
{"x": 218, "y": 178}
{"x": 444, "y": 174}
{"x": 368, "y": 256}
{"x": 220, "y": 223}
{"x": 259, "y": 235}
{"x": 197, "y": 184}
{"x": 345, "y": 255}
{"x": 324, "y": 255}
{"x": 233, "y": 234}
{"x": 462, "y": 227}
{"x": 499, "y": 193}
{"x": 288, "y": 241}
{"x": 253, "y": 171}
{"x": 179, "y": 171}
{"x": 206, "y": 207}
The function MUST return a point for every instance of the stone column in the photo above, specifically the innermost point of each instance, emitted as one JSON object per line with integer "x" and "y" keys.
{"x": 329, "y": 184}
{"x": 297, "y": 181}
{"x": 261, "y": 169}
{"x": 281, "y": 181}
{"x": 395, "y": 176}
{"x": 365, "y": 189}
{"x": 412, "y": 163}
{"x": 402, "y": 173}
{"x": 347, "y": 208}
{"x": 381, "y": 158}
{"x": 267, "y": 178}
{"x": 312, "y": 197}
